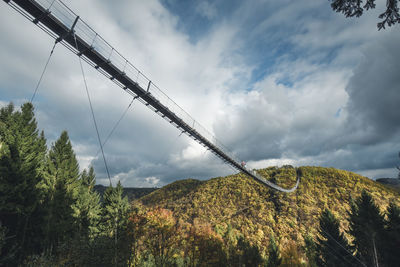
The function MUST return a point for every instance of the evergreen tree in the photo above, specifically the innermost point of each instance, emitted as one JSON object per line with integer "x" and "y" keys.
{"x": 62, "y": 186}
{"x": 274, "y": 258}
{"x": 392, "y": 236}
{"x": 87, "y": 207}
{"x": 115, "y": 212}
{"x": 310, "y": 249}
{"x": 366, "y": 226}
{"x": 398, "y": 168}
{"x": 248, "y": 255}
{"x": 332, "y": 245}
{"x": 22, "y": 152}
{"x": 87, "y": 211}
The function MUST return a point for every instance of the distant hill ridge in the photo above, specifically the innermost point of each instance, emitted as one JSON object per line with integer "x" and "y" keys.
{"x": 390, "y": 182}
{"x": 131, "y": 192}
{"x": 256, "y": 211}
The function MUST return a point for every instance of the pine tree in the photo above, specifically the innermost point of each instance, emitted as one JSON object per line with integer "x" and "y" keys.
{"x": 366, "y": 226}
{"x": 332, "y": 245}
{"x": 274, "y": 258}
{"x": 249, "y": 255}
{"x": 22, "y": 152}
{"x": 62, "y": 186}
{"x": 310, "y": 249}
{"x": 87, "y": 209}
{"x": 392, "y": 236}
{"x": 398, "y": 168}
{"x": 115, "y": 212}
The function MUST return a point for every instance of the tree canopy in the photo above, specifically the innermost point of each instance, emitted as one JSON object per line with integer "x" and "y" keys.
{"x": 351, "y": 8}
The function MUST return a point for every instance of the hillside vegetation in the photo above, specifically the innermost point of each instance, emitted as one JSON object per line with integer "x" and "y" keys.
{"x": 130, "y": 192}
{"x": 256, "y": 211}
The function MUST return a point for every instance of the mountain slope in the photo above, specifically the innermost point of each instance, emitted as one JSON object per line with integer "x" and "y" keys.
{"x": 256, "y": 211}
{"x": 131, "y": 192}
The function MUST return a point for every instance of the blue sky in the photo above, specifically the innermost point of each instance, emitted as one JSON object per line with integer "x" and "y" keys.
{"x": 278, "y": 82}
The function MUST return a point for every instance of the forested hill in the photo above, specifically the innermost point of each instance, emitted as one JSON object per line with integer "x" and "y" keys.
{"x": 257, "y": 211}
{"x": 131, "y": 192}
{"x": 50, "y": 214}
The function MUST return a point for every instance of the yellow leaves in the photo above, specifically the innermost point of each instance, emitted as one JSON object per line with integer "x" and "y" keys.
{"x": 219, "y": 200}
{"x": 160, "y": 218}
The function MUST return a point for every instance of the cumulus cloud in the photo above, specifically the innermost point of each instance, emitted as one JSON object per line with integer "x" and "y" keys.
{"x": 277, "y": 82}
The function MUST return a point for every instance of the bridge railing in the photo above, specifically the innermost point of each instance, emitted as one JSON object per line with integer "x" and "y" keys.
{"x": 67, "y": 17}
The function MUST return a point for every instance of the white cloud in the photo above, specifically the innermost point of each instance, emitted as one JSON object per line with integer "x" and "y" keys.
{"x": 206, "y": 9}
{"x": 290, "y": 115}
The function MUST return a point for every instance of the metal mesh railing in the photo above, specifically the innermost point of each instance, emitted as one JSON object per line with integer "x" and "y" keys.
{"x": 66, "y": 16}
{"x": 89, "y": 39}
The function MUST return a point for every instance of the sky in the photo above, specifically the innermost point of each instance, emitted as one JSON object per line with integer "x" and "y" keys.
{"x": 277, "y": 82}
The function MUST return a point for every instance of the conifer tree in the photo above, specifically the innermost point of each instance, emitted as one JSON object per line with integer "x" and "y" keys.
{"x": 310, "y": 249}
{"x": 274, "y": 258}
{"x": 115, "y": 212}
{"x": 398, "y": 168}
{"x": 87, "y": 209}
{"x": 22, "y": 152}
{"x": 392, "y": 236}
{"x": 248, "y": 255}
{"x": 332, "y": 245}
{"x": 366, "y": 226}
{"x": 62, "y": 186}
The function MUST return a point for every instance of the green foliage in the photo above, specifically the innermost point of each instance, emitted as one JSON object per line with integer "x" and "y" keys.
{"x": 249, "y": 209}
{"x": 247, "y": 254}
{"x": 392, "y": 236}
{"x": 274, "y": 258}
{"x": 131, "y": 192}
{"x": 332, "y": 246}
{"x": 114, "y": 221}
{"x": 87, "y": 209}
{"x": 366, "y": 226}
{"x": 310, "y": 249}
{"x": 50, "y": 214}
{"x": 61, "y": 185}
{"x": 115, "y": 210}
{"x": 398, "y": 168}
{"x": 22, "y": 151}
{"x": 291, "y": 255}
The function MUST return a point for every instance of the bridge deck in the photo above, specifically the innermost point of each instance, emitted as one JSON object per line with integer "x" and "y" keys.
{"x": 57, "y": 20}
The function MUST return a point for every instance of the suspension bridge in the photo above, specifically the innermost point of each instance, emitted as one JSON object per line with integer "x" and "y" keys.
{"x": 67, "y": 28}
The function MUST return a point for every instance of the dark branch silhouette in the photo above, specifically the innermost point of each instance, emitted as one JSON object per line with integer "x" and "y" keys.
{"x": 355, "y": 8}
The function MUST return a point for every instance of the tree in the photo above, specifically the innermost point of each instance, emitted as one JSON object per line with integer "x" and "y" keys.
{"x": 332, "y": 246}
{"x": 87, "y": 207}
{"x": 274, "y": 258}
{"x": 310, "y": 248}
{"x": 392, "y": 236}
{"x": 351, "y": 8}
{"x": 135, "y": 232}
{"x": 161, "y": 238}
{"x": 22, "y": 153}
{"x": 203, "y": 246}
{"x": 366, "y": 226}
{"x": 398, "y": 167}
{"x": 115, "y": 213}
{"x": 248, "y": 255}
{"x": 61, "y": 184}
{"x": 291, "y": 254}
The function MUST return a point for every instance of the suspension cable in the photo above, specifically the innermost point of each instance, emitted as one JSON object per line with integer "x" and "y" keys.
{"x": 91, "y": 109}
{"x": 116, "y": 124}
{"x": 44, "y": 70}
{"x": 343, "y": 247}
